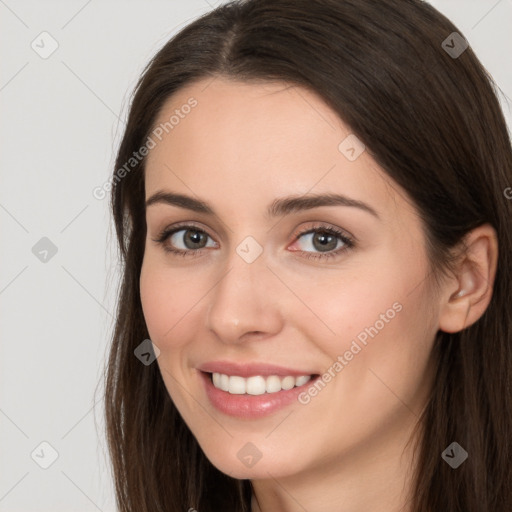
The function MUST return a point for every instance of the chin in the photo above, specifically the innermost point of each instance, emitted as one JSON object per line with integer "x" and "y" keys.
{"x": 250, "y": 462}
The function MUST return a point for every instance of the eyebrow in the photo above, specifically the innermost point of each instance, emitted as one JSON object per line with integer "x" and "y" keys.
{"x": 279, "y": 207}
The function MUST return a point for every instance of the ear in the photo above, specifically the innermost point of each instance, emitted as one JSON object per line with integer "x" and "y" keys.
{"x": 466, "y": 296}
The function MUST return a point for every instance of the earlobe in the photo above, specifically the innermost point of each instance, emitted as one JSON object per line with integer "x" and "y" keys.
{"x": 469, "y": 293}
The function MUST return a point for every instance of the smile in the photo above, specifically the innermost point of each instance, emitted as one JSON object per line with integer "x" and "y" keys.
{"x": 256, "y": 385}
{"x": 253, "y": 396}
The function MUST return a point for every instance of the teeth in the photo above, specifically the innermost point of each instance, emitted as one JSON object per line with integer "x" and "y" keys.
{"x": 299, "y": 381}
{"x": 273, "y": 384}
{"x": 237, "y": 385}
{"x": 224, "y": 382}
{"x": 288, "y": 383}
{"x": 256, "y": 385}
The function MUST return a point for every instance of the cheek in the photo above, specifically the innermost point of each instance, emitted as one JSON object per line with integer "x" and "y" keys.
{"x": 376, "y": 317}
{"x": 341, "y": 305}
{"x": 166, "y": 301}
{"x": 385, "y": 341}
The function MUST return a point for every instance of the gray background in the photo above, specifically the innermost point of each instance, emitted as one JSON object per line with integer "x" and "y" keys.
{"x": 61, "y": 121}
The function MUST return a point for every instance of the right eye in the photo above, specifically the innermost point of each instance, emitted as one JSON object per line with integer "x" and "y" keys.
{"x": 191, "y": 238}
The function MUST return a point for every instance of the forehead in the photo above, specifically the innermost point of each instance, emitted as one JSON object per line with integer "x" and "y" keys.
{"x": 252, "y": 142}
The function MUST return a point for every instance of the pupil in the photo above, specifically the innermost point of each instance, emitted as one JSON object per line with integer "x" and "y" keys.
{"x": 323, "y": 239}
{"x": 194, "y": 237}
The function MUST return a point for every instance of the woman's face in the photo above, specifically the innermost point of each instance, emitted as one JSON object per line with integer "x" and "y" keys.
{"x": 274, "y": 283}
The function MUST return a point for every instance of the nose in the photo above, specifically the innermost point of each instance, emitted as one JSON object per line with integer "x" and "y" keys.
{"x": 244, "y": 304}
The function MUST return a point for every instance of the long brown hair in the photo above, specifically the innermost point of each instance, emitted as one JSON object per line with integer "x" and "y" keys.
{"x": 433, "y": 122}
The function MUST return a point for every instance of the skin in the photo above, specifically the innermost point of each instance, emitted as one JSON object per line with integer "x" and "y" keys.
{"x": 240, "y": 148}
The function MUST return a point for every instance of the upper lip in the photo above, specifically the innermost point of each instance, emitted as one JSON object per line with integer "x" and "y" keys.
{"x": 250, "y": 369}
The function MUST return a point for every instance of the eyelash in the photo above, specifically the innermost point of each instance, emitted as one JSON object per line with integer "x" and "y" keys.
{"x": 349, "y": 242}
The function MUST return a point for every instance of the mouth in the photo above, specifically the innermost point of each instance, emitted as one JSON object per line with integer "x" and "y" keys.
{"x": 257, "y": 384}
{"x": 253, "y": 396}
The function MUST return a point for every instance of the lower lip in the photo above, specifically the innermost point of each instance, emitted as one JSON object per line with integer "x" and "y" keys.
{"x": 251, "y": 406}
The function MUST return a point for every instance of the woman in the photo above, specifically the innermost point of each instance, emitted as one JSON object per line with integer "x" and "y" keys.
{"x": 310, "y": 203}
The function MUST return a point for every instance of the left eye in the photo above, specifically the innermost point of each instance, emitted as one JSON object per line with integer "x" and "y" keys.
{"x": 325, "y": 242}
{"x": 322, "y": 241}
